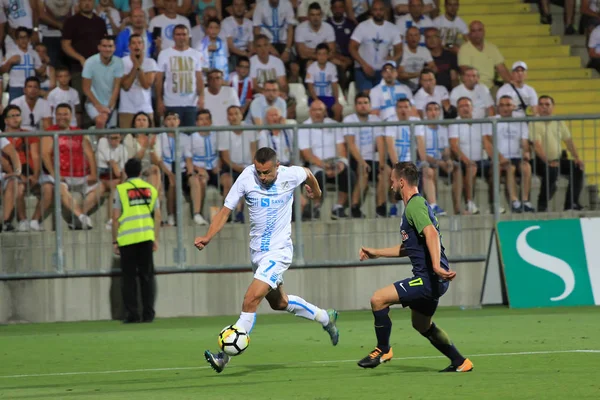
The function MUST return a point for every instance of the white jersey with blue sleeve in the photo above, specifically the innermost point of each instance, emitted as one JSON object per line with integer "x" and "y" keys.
{"x": 270, "y": 208}
{"x": 402, "y": 137}
{"x": 436, "y": 141}
{"x": 203, "y": 150}
{"x": 384, "y": 98}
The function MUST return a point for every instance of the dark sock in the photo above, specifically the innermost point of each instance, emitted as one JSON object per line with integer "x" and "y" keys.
{"x": 383, "y": 329}
{"x": 440, "y": 340}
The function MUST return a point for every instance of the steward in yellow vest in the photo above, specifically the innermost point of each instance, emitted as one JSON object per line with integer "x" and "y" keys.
{"x": 136, "y": 223}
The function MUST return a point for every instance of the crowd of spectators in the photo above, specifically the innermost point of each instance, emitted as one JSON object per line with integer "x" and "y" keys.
{"x": 141, "y": 63}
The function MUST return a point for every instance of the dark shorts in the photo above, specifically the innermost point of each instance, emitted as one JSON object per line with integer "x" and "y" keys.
{"x": 364, "y": 82}
{"x": 184, "y": 181}
{"x": 417, "y": 294}
{"x": 234, "y": 174}
{"x": 374, "y": 165}
{"x": 484, "y": 168}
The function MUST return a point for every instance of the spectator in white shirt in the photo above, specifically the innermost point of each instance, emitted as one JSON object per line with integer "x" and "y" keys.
{"x": 21, "y": 63}
{"x": 136, "y": 85}
{"x": 430, "y": 92}
{"x": 313, "y": 32}
{"x": 367, "y": 148}
{"x": 213, "y": 49}
{"x": 110, "y": 158}
{"x": 112, "y": 18}
{"x": 205, "y": 160}
{"x": 414, "y": 59}
{"x": 414, "y": 18}
{"x": 523, "y": 95}
{"x": 466, "y": 144}
{"x": 438, "y": 155}
{"x": 63, "y": 93}
{"x": 190, "y": 182}
{"x": 481, "y": 99}
{"x": 35, "y": 111}
{"x": 514, "y": 155}
{"x": 260, "y": 105}
{"x": 241, "y": 82}
{"x": 453, "y": 30}
{"x": 239, "y": 32}
{"x": 265, "y": 67}
{"x": 276, "y": 20}
{"x": 218, "y": 97}
{"x": 386, "y": 94}
{"x": 166, "y": 24}
{"x": 325, "y": 151}
{"x": 322, "y": 82}
{"x": 198, "y": 32}
{"x": 594, "y": 49}
{"x": 179, "y": 81}
{"x": 280, "y": 140}
{"x": 373, "y": 43}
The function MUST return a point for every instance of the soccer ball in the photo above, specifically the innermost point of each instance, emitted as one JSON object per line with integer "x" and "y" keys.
{"x": 233, "y": 340}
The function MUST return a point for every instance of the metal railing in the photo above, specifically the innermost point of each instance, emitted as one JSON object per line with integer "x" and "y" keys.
{"x": 25, "y": 255}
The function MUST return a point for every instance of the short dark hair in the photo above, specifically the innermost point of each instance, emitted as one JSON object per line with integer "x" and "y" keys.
{"x": 408, "y": 171}
{"x": 110, "y": 38}
{"x": 264, "y": 155}
{"x": 272, "y": 82}
{"x": 32, "y": 79}
{"x": 403, "y": 100}
{"x": 262, "y": 36}
{"x": 361, "y": 95}
{"x": 314, "y": 6}
{"x": 211, "y": 20}
{"x": 505, "y": 97}
{"x": 464, "y": 98}
{"x": 133, "y": 168}
{"x": 137, "y": 115}
{"x": 242, "y": 58}
{"x": 322, "y": 46}
{"x": 431, "y": 103}
{"x": 135, "y": 35}
{"x": 203, "y": 111}
{"x": 10, "y": 107}
{"x": 23, "y": 29}
{"x": 426, "y": 71}
{"x": 545, "y": 96}
{"x": 63, "y": 105}
{"x": 180, "y": 26}
{"x": 234, "y": 106}
{"x": 61, "y": 68}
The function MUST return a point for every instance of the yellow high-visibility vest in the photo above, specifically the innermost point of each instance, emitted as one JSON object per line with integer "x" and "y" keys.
{"x": 136, "y": 224}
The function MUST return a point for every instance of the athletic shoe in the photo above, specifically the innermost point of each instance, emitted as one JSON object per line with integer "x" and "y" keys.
{"x": 375, "y": 358}
{"x": 23, "y": 226}
{"x": 34, "y": 225}
{"x": 466, "y": 366}
{"x": 217, "y": 361}
{"x": 86, "y": 222}
{"x": 171, "y": 220}
{"x": 438, "y": 211}
{"x": 528, "y": 207}
{"x": 199, "y": 220}
{"x": 331, "y": 328}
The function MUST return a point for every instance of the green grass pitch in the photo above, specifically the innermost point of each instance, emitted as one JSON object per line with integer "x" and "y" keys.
{"x": 518, "y": 354}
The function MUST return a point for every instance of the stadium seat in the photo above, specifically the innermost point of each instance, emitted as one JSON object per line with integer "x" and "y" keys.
{"x": 5, "y": 99}
{"x": 348, "y": 108}
{"x": 299, "y": 92}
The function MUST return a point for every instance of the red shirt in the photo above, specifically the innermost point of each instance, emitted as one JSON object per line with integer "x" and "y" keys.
{"x": 23, "y": 147}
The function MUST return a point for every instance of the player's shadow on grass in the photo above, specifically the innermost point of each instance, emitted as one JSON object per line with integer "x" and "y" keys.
{"x": 400, "y": 368}
{"x": 250, "y": 369}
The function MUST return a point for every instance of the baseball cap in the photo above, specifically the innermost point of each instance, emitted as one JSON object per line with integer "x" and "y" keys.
{"x": 390, "y": 62}
{"x": 519, "y": 64}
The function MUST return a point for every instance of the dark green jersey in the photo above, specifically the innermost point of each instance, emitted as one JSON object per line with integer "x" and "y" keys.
{"x": 418, "y": 215}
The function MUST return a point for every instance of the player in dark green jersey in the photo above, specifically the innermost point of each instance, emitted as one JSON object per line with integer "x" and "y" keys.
{"x": 422, "y": 243}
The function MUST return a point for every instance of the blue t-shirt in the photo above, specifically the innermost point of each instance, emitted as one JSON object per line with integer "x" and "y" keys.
{"x": 102, "y": 76}
{"x": 343, "y": 32}
{"x": 122, "y": 43}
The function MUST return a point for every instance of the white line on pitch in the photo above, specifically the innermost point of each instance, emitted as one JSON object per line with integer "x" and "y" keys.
{"x": 122, "y": 371}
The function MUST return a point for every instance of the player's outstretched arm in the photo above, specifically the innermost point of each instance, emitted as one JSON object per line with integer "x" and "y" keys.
{"x": 367, "y": 253}
{"x": 217, "y": 223}
{"x": 312, "y": 185}
{"x": 432, "y": 239}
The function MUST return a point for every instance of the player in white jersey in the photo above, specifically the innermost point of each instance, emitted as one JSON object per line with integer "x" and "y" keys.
{"x": 268, "y": 189}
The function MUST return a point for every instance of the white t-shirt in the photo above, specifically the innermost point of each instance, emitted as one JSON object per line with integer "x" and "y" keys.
{"x": 470, "y": 137}
{"x": 405, "y": 21}
{"x": 436, "y": 140}
{"x": 137, "y": 98}
{"x": 310, "y": 38}
{"x": 203, "y": 150}
{"x": 480, "y": 96}
{"x": 376, "y": 42}
{"x": 402, "y": 137}
{"x": 116, "y": 17}
{"x": 105, "y": 153}
{"x": 259, "y": 107}
{"x": 40, "y": 111}
{"x": 422, "y": 98}
{"x": 322, "y": 142}
{"x": 270, "y": 209}
{"x": 510, "y": 135}
{"x": 132, "y": 145}
{"x": 59, "y": 10}
{"x": 273, "y": 69}
{"x": 365, "y": 137}
{"x": 180, "y": 69}
{"x": 238, "y": 145}
{"x": 18, "y": 13}
{"x": 167, "y": 25}
{"x": 274, "y": 22}
{"x": 451, "y": 31}
{"x": 594, "y": 41}
{"x": 167, "y": 146}
{"x": 415, "y": 62}
{"x": 282, "y": 143}
{"x": 58, "y": 96}
{"x": 30, "y": 61}
{"x": 322, "y": 79}
{"x": 242, "y": 35}
{"x": 218, "y": 104}
{"x": 384, "y": 98}
{"x": 528, "y": 94}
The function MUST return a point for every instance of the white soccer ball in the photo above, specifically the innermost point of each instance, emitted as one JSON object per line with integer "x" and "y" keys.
{"x": 233, "y": 340}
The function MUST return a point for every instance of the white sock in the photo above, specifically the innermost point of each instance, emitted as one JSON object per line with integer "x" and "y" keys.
{"x": 301, "y": 308}
{"x": 246, "y": 321}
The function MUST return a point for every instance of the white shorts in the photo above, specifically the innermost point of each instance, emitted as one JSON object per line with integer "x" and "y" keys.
{"x": 269, "y": 266}
{"x": 77, "y": 185}
{"x": 93, "y": 113}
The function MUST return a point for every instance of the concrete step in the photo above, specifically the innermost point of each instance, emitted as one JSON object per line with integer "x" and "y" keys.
{"x": 535, "y": 52}
{"x": 486, "y": 8}
{"x": 526, "y": 42}
{"x": 558, "y": 73}
{"x": 492, "y": 32}
{"x": 501, "y": 19}
{"x": 565, "y": 85}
